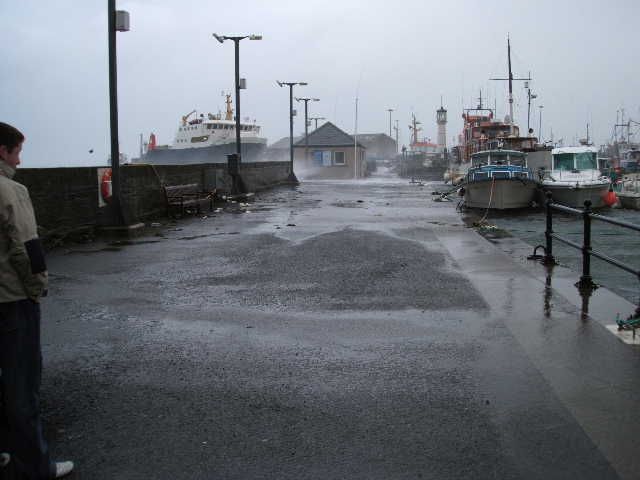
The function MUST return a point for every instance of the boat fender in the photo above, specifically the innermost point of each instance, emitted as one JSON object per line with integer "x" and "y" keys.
{"x": 610, "y": 198}
{"x": 105, "y": 186}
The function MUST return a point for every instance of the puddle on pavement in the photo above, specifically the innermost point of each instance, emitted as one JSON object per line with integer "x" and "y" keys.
{"x": 193, "y": 237}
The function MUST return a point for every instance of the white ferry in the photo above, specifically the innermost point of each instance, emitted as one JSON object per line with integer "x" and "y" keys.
{"x": 206, "y": 139}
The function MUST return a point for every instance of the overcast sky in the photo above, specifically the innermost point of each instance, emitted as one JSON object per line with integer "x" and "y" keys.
{"x": 401, "y": 54}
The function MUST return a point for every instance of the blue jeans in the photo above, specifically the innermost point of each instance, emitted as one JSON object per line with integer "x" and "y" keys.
{"x": 21, "y": 363}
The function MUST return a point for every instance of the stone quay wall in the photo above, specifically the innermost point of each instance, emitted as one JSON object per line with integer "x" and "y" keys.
{"x": 69, "y": 198}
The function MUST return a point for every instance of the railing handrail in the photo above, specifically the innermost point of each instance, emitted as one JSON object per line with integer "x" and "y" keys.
{"x": 587, "y": 250}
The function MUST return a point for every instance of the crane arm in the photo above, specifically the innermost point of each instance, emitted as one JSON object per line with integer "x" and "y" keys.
{"x": 185, "y": 117}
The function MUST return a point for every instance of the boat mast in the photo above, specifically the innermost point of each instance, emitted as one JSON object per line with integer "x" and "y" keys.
{"x": 510, "y": 86}
{"x": 510, "y": 80}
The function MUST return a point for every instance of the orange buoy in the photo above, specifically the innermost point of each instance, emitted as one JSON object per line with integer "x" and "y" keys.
{"x": 610, "y": 198}
{"x": 105, "y": 185}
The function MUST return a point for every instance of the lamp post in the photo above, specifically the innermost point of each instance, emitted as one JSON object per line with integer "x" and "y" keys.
{"x": 396, "y": 130}
{"x": 390, "y": 110}
{"x": 540, "y": 124}
{"x": 316, "y": 120}
{"x": 118, "y": 21}
{"x": 306, "y": 124}
{"x": 292, "y": 176}
{"x": 239, "y": 84}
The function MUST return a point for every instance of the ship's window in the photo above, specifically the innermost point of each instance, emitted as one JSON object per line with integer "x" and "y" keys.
{"x": 208, "y": 126}
{"x": 586, "y": 161}
{"x": 520, "y": 174}
{"x": 563, "y": 161}
{"x": 480, "y": 175}
{"x": 500, "y": 174}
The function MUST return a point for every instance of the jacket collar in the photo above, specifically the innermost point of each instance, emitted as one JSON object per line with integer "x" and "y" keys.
{"x": 6, "y": 170}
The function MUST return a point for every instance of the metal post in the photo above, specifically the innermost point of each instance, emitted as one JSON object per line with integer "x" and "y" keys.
{"x": 113, "y": 110}
{"x": 585, "y": 279}
{"x": 236, "y": 41}
{"x": 291, "y": 126}
{"x": 548, "y": 253}
{"x": 540, "y": 124}
{"x": 306, "y": 131}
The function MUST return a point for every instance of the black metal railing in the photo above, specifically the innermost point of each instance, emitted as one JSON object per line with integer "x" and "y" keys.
{"x": 586, "y": 281}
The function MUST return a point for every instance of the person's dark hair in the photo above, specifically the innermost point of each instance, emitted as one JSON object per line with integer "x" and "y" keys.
{"x": 10, "y": 136}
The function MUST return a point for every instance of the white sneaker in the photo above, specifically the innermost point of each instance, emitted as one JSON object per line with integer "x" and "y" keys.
{"x": 63, "y": 469}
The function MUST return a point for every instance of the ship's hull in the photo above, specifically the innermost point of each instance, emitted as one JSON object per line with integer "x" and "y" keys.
{"x": 629, "y": 200}
{"x": 575, "y": 196}
{"x": 500, "y": 194}
{"x": 251, "y": 152}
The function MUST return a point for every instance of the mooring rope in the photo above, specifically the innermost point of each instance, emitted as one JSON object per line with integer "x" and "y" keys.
{"x": 493, "y": 182}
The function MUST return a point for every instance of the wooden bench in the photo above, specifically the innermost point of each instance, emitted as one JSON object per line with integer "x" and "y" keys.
{"x": 183, "y": 196}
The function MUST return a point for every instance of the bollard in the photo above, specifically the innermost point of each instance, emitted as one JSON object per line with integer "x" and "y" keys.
{"x": 548, "y": 251}
{"x": 586, "y": 280}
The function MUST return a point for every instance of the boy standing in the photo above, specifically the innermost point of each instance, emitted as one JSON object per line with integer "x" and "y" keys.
{"x": 23, "y": 280}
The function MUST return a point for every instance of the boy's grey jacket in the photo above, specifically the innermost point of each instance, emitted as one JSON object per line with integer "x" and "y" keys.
{"x": 20, "y": 276}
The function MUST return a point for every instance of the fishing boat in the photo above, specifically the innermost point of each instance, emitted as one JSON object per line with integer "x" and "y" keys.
{"x": 206, "y": 139}
{"x": 629, "y": 194}
{"x": 574, "y": 177}
{"x": 500, "y": 180}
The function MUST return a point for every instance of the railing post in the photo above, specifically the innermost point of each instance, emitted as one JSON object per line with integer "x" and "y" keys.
{"x": 548, "y": 252}
{"x": 585, "y": 279}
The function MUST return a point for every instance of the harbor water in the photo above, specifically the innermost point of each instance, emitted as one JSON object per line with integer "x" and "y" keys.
{"x": 620, "y": 243}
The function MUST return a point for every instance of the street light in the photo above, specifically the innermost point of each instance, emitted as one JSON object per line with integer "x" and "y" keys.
{"x": 306, "y": 124}
{"x": 540, "y": 124}
{"x": 118, "y": 21}
{"x": 239, "y": 85}
{"x": 292, "y": 176}
{"x": 390, "y": 110}
{"x": 395, "y": 128}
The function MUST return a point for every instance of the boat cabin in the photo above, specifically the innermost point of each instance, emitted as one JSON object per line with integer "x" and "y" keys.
{"x": 497, "y": 164}
{"x": 574, "y": 159}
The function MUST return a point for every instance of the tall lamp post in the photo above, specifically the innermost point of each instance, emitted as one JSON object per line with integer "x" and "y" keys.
{"x": 292, "y": 176}
{"x": 306, "y": 124}
{"x": 396, "y": 130}
{"x": 540, "y": 124}
{"x": 316, "y": 120}
{"x": 240, "y": 83}
{"x": 390, "y": 110}
{"x": 118, "y": 21}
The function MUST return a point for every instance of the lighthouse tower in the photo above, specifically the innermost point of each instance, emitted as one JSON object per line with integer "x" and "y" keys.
{"x": 441, "y": 119}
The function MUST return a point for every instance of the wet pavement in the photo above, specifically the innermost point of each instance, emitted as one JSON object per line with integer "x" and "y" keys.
{"x": 334, "y": 330}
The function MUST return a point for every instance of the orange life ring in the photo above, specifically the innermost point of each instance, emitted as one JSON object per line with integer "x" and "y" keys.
{"x": 105, "y": 185}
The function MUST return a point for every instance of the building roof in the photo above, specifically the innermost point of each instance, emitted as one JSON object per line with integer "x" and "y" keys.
{"x": 372, "y": 137}
{"x": 328, "y": 135}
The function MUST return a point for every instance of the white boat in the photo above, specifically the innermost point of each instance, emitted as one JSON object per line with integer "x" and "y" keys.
{"x": 499, "y": 179}
{"x": 207, "y": 139}
{"x": 574, "y": 177}
{"x": 629, "y": 195}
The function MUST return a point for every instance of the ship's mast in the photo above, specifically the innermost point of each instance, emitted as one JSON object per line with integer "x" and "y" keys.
{"x": 414, "y": 129}
{"x": 510, "y": 80}
{"x": 510, "y": 83}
